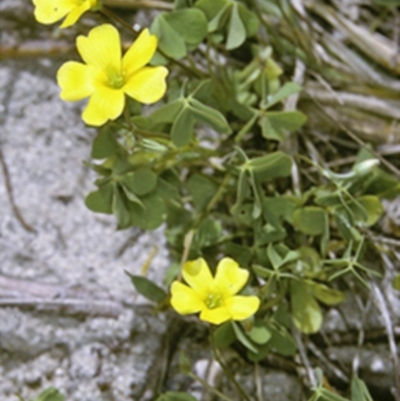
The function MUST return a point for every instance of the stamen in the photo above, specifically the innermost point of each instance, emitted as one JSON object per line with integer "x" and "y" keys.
{"x": 116, "y": 80}
{"x": 213, "y": 301}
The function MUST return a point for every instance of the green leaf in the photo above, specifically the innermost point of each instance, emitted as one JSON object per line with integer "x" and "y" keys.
{"x": 100, "y": 201}
{"x": 269, "y": 167}
{"x": 201, "y": 189}
{"x": 104, "y": 145}
{"x": 268, "y": 131}
{"x": 211, "y": 7}
{"x": 190, "y": 24}
{"x": 185, "y": 365}
{"x": 214, "y": 11}
{"x": 140, "y": 182}
{"x": 281, "y": 121}
{"x": 281, "y": 341}
{"x": 310, "y": 220}
{"x": 274, "y": 257}
{"x": 373, "y": 208}
{"x": 236, "y": 30}
{"x": 249, "y": 19}
{"x": 120, "y": 208}
{"x": 396, "y": 282}
{"x": 147, "y": 288}
{"x": 242, "y": 254}
{"x": 290, "y": 88}
{"x": 178, "y": 396}
{"x": 50, "y": 394}
{"x": 167, "y": 113}
{"x": 382, "y": 184}
{"x": 259, "y": 333}
{"x": 182, "y": 129}
{"x": 323, "y": 293}
{"x": 169, "y": 40}
{"x": 224, "y": 336}
{"x": 209, "y": 116}
{"x": 307, "y": 315}
{"x": 242, "y": 338}
{"x": 152, "y": 215}
{"x": 364, "y": 211}
{"x": 359, "y": 391}
{"x": 208, "y": 233}
{"x": 388, "y": 3}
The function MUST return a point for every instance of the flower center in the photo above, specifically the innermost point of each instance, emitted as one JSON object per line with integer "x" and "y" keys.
{"x": 116, "y": 80}
{"x": 213, "y": 301}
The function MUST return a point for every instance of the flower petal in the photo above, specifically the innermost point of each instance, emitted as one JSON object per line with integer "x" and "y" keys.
{"x": 101, "y": 48}
{"x": 184, "y": 299}
{"x": 75, "y": 14}
{"x": 241, "y": 307}
{"x": 104, "y": 104}
{"x": 216, "y": 316}
{"x": 147, "y": 85}
{"x": 230, "y": 276}
{"x": 49, "y": 11}
{"x": 75, "y": 80}
{"x": 197, "y": 274}
{"x": 140, "y": 52}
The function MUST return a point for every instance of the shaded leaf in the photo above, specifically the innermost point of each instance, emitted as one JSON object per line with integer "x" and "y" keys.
{"x": 290, "y": 88}
{"x": 307, "y": 315}
{"x": 147, "y": 288}
{"x": 201, "y": 189}
{"x": 243, "y": 338}
{"x": 259, "y": 333}
{"x": 310, "y": 220}
{"x": 140, "y": 182}
{"x": 209, "y": 116}
{"x": 323, "y": 293}
{"x": 182, "y": 129}
{"x": 236, "y": 30}
{"x": 224, "y": 336}
{"x": 190, "y": 24}
{"x": 50, "y": 394}
{"x": 100, "y": 201}
{"x": 104, "y": 144}
{"x": 271, "y": 166}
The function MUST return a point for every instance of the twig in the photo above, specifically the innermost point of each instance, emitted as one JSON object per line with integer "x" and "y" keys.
{"x": 358, "y": 141}
{"x": 135, "y": 4}
{"x": 385, "y": 314}
{"x": 304, "y": 357}
{"x": 10, "y": 194}
{"x": 72, "y": 306}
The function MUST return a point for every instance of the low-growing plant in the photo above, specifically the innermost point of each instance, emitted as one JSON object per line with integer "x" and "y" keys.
{"x": 218, "y": 161}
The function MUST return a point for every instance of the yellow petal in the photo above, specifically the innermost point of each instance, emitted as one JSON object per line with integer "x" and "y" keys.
{"x": 75, "y": 14}
{"x": 147, "y": 85}
{"x": 101, "y": 48}
{"x": 104, "y": 104}
{"x": 50, "y": 11}
{"x": 75, "y": 80}
{"x": 197, "y": 274}
{"x": 140, "y": 52}
{"x": 230, "y": 277}
{"x": 184, "y": 299}
{"x": 242, "y": 307}
{"x": 215, "y": 316}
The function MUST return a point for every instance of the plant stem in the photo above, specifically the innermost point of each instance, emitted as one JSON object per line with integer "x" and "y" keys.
{"x": 227, "y": 372}
{"x": 205, "y": 384}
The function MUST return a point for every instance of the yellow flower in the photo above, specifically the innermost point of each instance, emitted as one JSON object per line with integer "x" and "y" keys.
{"x": 213, "y": 297}
{"x": 106, "y": 77}
{"x": 50, "y": 11}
